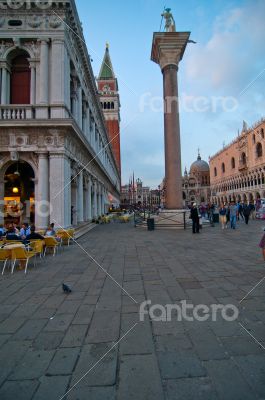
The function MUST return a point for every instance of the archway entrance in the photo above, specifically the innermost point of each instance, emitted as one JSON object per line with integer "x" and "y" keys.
{"x": 19, "y": 193}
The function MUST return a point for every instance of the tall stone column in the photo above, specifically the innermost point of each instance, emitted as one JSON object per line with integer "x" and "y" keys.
{"x": 4, "y": 86}
{"x": 58, "y": 79}
{"x": 89, "y": 195}
{"x": 60, "y": 189}
{"x": 32, "y": 82}
{"x": 2, "y": 196}
{"x": 80, "y": 198}
{"x": 167, "y": 50}
{"x": 42, "y": 112}
{"x": 95, "y": 202}
{"x": 42, "y": 216}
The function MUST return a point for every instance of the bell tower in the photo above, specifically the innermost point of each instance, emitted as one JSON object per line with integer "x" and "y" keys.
{"x": 110, "y": 102}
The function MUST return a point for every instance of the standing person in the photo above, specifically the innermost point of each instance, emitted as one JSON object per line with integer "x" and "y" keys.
{"x": 240, "y": 211}
{"x": 246, "y": 212}
{"x": 262, "y": 245}
{"x": 233, "y": 214}
{"x": 222, "y": 214}
{"x": 25, "y": 230}
{"x": 195, "y": 218}
{"x": 227, "y": 215}
{"x": 252, "y": 211}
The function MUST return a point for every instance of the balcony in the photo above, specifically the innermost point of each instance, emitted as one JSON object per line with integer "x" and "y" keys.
{"x": 16, "y": 112}
{"x": 242, "y": 166}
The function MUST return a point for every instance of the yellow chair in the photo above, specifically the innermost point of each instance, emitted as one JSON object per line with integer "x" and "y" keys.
{"x": 4, "y": 257}
{"x": 20, "y": 254}
{"x": 51, "y": 243}
{"x": 71, "y": 233}
{"x": 37, "y": 246}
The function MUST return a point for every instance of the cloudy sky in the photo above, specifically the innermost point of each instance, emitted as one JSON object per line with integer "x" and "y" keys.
{"x": 221, "y": 78}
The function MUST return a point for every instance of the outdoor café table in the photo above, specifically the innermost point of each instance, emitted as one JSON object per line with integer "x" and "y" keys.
{"x": 12, "y": 246}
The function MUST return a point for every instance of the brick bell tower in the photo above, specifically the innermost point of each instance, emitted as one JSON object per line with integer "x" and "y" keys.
{"x": 110, "y": 102}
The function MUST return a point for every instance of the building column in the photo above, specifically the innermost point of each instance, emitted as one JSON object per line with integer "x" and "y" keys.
{"x": 60, "y": 189}
{"x": 99, "y": 200}
{"x": 58, "y": 79}
{"x": 2, "y": 197}
{"x": 80, "y": 198}
{"x": 42, "y": 112}
{"x": 4, "y": 85}
{"x": 32, "y": 82}
{"x": 42, "y": 206}
{"x": 79, "y": 106}
{"x": 95, "y": 203}
{"x": 89, "y": 203}
{"x": 103, "y": 201}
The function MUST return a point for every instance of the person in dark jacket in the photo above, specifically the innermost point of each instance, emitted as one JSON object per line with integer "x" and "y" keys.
{"x": 194, "y": 215}
{"x": 246, "y": 212}
{"x": 11, "y": 235}
{"x": 34, "y": 235}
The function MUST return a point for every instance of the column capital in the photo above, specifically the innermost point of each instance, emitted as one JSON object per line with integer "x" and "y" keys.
{"x": 43, "y": 40}
{"x": 42, "y": 154}
{"x": 58, "y": 40}
{"x": 168, "y": 47}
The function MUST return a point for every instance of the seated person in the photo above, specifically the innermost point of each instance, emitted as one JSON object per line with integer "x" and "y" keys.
{"x": 25, "y": 230}
{"x": 34, "y": 235}
{"x": 11, "y": 235}
{"x": 50, "y": 230}
{"x": 2, "y": 231}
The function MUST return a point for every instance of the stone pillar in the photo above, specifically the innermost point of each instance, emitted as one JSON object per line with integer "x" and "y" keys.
{"x": 103, "y": 201}
{"x": 60, "y": 189}
{"x": 4, "y": 86}
{"x": 99, "y": 201}
{"x": 80, "y": 198}
{"x": 2, "y": 196}
{"x": 89, "y": 203}
{"x": 42, "y": 215}
{"x": 167, "y": 50}
{"x": 79, "y": 106}
{"x": 42, "y": 112}
{"x": 95, "y": 203}
{"x": 58, "y": 79}
{"x": 32, "y": 82}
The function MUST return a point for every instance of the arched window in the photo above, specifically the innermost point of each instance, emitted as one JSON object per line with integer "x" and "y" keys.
{"x": 253, "y": 138}
{"x": 215, "y": 171}
{"x": 233, "y": 163}
{"x": 112, "y": 105}
{"x": 243, "y": 158}
{"x": 20, "y": 80}
{"x": 259, "y": 150}
{"x": 223, "y": 167}
{"x": 262, "y": 133}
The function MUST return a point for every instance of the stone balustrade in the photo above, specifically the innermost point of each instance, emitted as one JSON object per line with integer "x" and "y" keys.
{"x": 16, "y": 112}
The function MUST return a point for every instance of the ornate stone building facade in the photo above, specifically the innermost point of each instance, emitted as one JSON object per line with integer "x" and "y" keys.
{"x": 238, "y": 170}
{"x": 196, "y": 183}
{"x": 53, "y": 139}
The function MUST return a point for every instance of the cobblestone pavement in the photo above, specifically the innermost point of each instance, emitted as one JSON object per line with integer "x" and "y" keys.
{"x": 49, "y": 340}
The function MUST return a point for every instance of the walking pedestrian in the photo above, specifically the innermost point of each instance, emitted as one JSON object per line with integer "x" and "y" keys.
{"x": 194, "y": 215}
{"x": 233, "y": 214}
{"x": 227, "y": 216}
{"x": 240, "y": 211}
{"x": 246, "y": 212}
{"x": 222, "y": 215}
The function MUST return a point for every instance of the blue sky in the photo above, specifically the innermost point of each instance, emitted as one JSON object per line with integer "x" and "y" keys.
{"x": 228, "y": 56}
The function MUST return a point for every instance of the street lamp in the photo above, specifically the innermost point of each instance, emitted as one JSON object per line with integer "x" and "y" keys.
{"x": 158, "y": 195}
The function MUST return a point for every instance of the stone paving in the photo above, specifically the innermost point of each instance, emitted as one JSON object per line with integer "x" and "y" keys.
{"x": 49, "y": 340}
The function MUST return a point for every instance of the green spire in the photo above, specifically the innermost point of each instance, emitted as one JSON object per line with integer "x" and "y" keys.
{"x": 106, "y": 70}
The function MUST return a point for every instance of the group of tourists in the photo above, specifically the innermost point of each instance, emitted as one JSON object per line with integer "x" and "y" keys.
{"x": 233, "y": 212}
{"x": 229, "y": 214}
{"x": 24, "y": 233}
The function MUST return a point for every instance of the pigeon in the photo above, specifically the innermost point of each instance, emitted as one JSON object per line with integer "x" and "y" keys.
{"x": 66, "y": 288}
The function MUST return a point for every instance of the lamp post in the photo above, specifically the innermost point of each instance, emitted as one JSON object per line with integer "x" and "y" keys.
{"x": 159, "y": 196}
